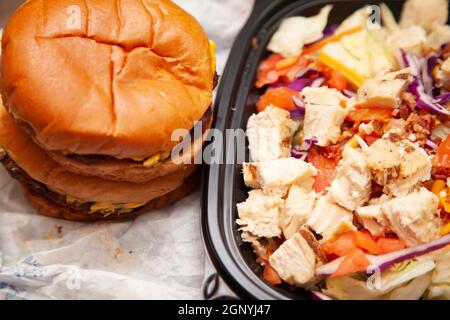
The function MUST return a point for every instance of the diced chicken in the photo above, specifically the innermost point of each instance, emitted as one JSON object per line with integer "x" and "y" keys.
{"x": 384, "y": 90}
{"x": 270, "y": 134}
{"x": 352, "y": 186}
{"x": 277, "y": 176}
{"x": 250, "y": 172}
{"x": 444, "y": 74}
{"x": 295, "y": 32}
{"x": 398, "y": 166}
{"x": 414, "y": 217}
{"x": 410, "y": 39}
{"x": 426, "y": 14}
{"x": 323, "y": 96}
{"x": 297, "y": 210}
{"x": 329, "y": 219}
{"x": 415, "y": 168}
{"x": 259, "y": 216}
{"x": 383, "y": 159}
{"x": 295, "y": 261}
{"x": 373, "y": 219}
{"x": 324, "y": 115}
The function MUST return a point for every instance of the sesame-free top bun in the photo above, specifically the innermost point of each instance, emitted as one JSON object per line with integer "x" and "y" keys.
{"x": 40, "y": 167}
{"x": 101, "y": 77}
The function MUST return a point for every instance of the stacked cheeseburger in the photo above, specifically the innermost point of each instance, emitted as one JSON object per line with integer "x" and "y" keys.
{"x": 92, "y": 92}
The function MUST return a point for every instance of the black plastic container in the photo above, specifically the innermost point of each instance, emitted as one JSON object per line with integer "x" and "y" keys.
{"x": 234, "y": 271}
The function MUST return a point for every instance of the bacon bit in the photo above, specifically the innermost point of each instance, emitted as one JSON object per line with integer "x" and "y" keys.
{"x": 420, "y": 126}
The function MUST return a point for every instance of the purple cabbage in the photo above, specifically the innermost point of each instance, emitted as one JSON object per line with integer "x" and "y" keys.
{"x": 299, "y": 111}
{"x": 430, "y": 144}
{"x": 318, "y": 82}
{"x": 303, "y": 79}
{"x": 418, "y": 88}
{"x": 316, "y": 295}
{"x": 302, "y": 152}
{"x": 349, "y": 93}
{"x": 427, "y": 73}
{"x": 330, "y": 30}
{"x": 444, "y": 98}
{"x": 425, "y": 101}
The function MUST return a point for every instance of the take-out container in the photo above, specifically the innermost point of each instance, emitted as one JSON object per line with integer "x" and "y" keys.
{"x": 232, "y": 271}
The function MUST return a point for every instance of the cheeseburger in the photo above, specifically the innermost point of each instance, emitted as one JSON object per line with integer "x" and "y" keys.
{"x": 92, "y": 92}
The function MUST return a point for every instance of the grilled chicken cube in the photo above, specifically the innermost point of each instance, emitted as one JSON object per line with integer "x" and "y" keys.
{"x": 324, "y": 114}
{"x": 372, "y": 217}
{"x": 352, "y": 186}
{"x": 426, "y": 14}
{"x": 384, "y": 90}
{"x": 398, "y": 166}
{"x": 295, "y": 261}
{"x": 383, "y": 159}
{"x": 259, "y": 216}
{"x": 329, "y": 219}
{"x": 270, "y": 134}
{"x": 297, "y": 210}
{"x": 277, "y": 176}
{"x": 323, "y": 96}
{"x": 414, "y": 217}
{"x": 415, "y": 167}
{"x": 324, "y": 122}
{"x": 250, "y": 172}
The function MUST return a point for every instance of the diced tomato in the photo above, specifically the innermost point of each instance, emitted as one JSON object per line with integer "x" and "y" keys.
{"x": 267, "y": 73}
{"x": 337, "y": 80}
{"x": 371, "y": 138}
{"x": 291, "y": 73}
{"x": 270, "y": 275}
{"x": 355, "y": 261}
{"x": 364, "y": 240}
{"x": 326, "y": 169}
{"x": 342, "y": 246}
{"x": 280, "y": 97}
{"x": 442, "y": 158}
{"x": 369, "y": 114}
{"x": 387, "y": 245}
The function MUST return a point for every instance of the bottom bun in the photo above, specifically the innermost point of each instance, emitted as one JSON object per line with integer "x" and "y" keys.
{"x": 46, "y": 207}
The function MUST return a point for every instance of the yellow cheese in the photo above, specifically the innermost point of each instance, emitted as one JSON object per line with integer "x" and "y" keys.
{"x": 355, "y": 79}
{"x": 152, "y": 160}
{"x": 111, "y": 207}
{"x": 213, "y": 47}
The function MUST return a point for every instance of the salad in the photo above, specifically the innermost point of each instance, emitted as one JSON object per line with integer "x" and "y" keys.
{"x": 350, "y": 156}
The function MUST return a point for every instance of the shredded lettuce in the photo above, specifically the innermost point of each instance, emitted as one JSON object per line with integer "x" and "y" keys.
{"x": 407, "y": 280}
{"x": 440, "y": 280}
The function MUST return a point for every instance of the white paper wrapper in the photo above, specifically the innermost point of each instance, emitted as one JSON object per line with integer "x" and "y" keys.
{"x": 158, "y": 256}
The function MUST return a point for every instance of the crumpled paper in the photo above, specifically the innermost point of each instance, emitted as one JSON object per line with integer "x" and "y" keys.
{"x": 158, "y": 256}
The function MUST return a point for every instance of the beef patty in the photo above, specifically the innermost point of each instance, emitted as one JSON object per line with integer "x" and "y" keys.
{"x": 40, "y": 189}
